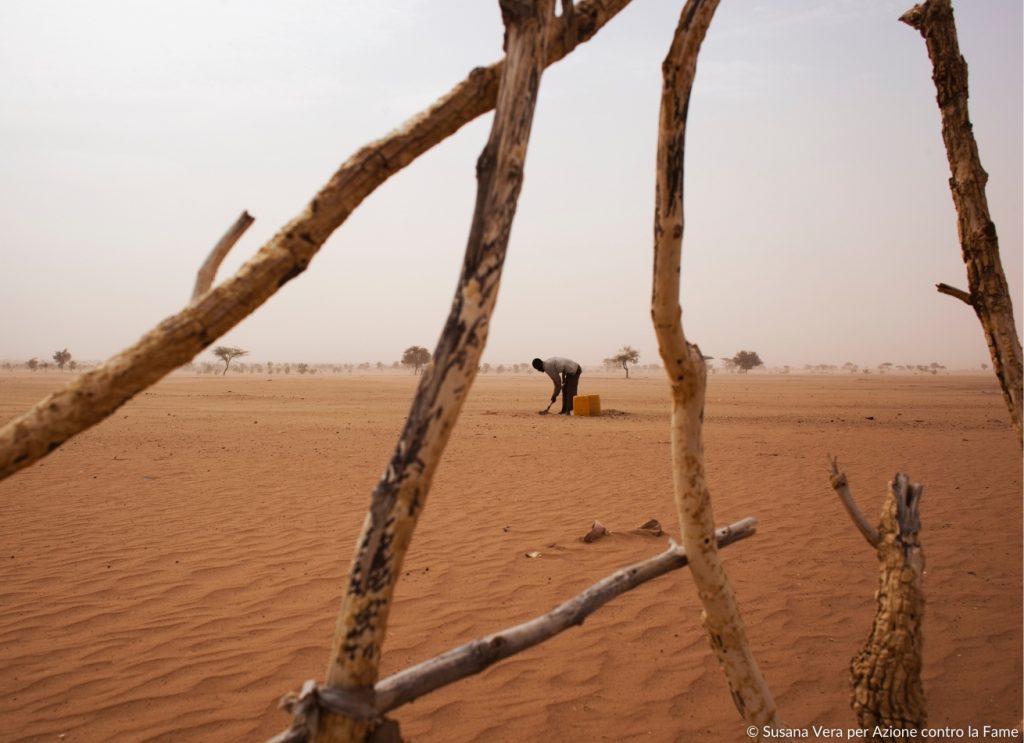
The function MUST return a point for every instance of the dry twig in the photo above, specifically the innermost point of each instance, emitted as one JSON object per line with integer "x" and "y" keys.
{"x": 208, "y": 271}
{"x": 839, "y": 483}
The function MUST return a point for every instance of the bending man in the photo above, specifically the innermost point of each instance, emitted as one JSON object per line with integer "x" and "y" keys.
{"x": 565, "y": 373}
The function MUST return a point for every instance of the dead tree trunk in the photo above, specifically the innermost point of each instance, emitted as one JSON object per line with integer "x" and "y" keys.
{"x": 400, "y": 496}
{"x": 687, "y": 376}
{"x": 885, "y": 676}
{"x": 96, "y": 394}
{"x": 979, "y": 245}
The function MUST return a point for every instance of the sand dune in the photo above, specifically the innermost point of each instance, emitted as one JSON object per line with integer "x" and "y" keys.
{"x": 171, "y": 573}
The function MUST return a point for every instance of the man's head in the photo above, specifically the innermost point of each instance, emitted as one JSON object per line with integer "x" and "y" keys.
{"x": 538, "y": 365}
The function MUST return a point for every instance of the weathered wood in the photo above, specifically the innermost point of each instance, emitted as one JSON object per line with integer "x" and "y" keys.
{"x": 400, "y": 495}
{"x": 989, "y": 294}
{"x": 92, "y": 396}
{"x": 686, "y": 370}
{"x": 473, "y": 657}
{"x": 885, "y": 676}
{"x": 952, "y": 291}
{"x": 842, "y": 488}
{"x": 208, "y": 271}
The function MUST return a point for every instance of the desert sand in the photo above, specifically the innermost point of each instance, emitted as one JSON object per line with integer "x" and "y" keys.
{"x": 169, "y": 574}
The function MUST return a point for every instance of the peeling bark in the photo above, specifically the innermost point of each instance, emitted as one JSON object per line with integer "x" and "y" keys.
{"x": 686, "y": 370}
{"x": 94, "y": 395}
{"x": 989, "y": 294}
{"x": 886, "y": 674}
{"x": 401, "y": 493}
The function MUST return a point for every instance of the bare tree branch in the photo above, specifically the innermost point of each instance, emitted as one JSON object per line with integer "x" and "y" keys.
{"x": 687, "y": 374}
{"x": 208, "y": 271}
{"x": 842, "y": 488}
{"x": 952, "y": 291}
{"x": 473, "y": 657}
{"x": 979, "y": 245}
{"x": 401, "y": 494}
{"x": 90, "y": 397}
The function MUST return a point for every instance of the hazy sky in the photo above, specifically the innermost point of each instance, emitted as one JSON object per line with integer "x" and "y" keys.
{"x": 818, "y": 214}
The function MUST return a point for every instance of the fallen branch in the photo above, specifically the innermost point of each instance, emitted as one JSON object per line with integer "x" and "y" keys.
{"x": 92, "y": 396}
{"x": 473, "y": 657}
{"x": 400, "y": 495}
{"x": 687, "y": 375}
{"x": 208, "y": 271}
{"x": 885, "y": 676}
{"x": 952, "y": 291}
{"x": 839, "y": 483}
{"x": 979, "y": 245}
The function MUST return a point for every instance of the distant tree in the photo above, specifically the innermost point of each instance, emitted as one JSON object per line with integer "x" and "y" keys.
{"x": 416, "y": 357}
{"x": 61, "y": 358}
{"x": 72, "y": 365}
{"x": 32, "y": 363}
{"x": 380, "y": 366}
{"x": 850, "y": 367}
{"x": 627, "y": 355}
{"x": 486, "y": 368}
{"x": 287, "y": 368}
{"x": 302, "y": 368}
{"x": 226, "y": 354}
{"x": 500, "y": 369}
{"x": 747, "y": 360}
{"x": 729, "y": 365}
{"x": 984, "y": 367}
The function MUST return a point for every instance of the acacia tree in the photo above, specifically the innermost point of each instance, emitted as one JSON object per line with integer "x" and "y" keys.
{"x": 32, "y": 363}
{"x": 746, "y": 360}
{"x": 61, "y": 358}
{"x": 416, "y": 357}
{"x": 627, "y": 355}
{"x": 226, "y": 354}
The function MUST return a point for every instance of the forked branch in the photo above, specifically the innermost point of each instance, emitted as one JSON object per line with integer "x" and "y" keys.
{"x": 208, "y": 271}
{"x": 686, "y": 370}
{"x": 96, "y": 394}
{"x": 988, "y": 293}
{"x": 473, "y": 657}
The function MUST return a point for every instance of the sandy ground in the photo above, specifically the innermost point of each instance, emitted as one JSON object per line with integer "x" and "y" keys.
{"x": 171, "y": 573}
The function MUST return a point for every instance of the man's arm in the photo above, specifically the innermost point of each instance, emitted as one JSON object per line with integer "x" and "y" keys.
{"x": 557, "y": 379}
